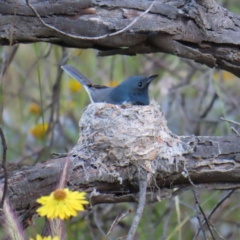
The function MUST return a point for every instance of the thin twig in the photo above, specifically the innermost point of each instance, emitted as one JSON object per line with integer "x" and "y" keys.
{"x": 166, "y": 219}
{"x": 117, "y": 220}
{"x": 204, "y": 216}
{"x": 88, "y": 38}
{"x": 90, "y": 227}
{"x": 4, "y": 159}
{"x": 235, "y": 131}
{"x": 32, "y": 154}
{"x": 207, "y": 222}
{"x": 55, "y": 101}
{"x": 98, "y": 223}
{"x": 65, "y": 174}
{"x": 199, "y": 213}
{"x": 189, "y": 178}
{"x": 203, "y": 94}
{"x": 219, "y": 236}
{"x": 59, "y": 155}
{"x": 207, "y": 110}
{"x": 54, "y": 105}
{"x": 230, "y": 121}
{"x": 7, "y": 58}
{"x": 137, "y": 217}
{"x": 220, "y": 202}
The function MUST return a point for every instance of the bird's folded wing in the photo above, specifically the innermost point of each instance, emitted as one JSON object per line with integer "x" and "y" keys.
{"x": 72, "y": 71}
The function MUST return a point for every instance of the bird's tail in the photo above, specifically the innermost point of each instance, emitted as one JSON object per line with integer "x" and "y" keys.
{"x": 72, "y": 71}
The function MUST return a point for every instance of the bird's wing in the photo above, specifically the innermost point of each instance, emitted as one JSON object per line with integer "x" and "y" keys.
{"x": 72, "y": 71}
{"x": 94, "y": 91}
{"x": 99, "y": 86}
{"x": 76, "y": 74}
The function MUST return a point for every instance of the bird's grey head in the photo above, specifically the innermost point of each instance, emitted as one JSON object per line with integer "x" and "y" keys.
{"x": 138, "y": 83}
{"x": 136, "y": 88}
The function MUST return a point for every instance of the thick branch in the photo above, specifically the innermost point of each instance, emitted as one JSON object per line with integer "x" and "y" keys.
{"x": 198, "y": 30}
{"x": 219, "y": 169}
{"x": 205, "y": 162}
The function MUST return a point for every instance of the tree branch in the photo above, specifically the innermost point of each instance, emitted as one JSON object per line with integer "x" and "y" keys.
{"x": 199, "y": 30}
{"x": 117, "y": 145}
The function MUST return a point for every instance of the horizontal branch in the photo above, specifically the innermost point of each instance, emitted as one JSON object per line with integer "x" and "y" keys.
{"x": 199, "y": 30}
{"x": 108, "y": 167}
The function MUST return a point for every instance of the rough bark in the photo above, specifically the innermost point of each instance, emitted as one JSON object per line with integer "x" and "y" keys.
{"x": 197, "y": 29}
{"x": 205, "y": 162}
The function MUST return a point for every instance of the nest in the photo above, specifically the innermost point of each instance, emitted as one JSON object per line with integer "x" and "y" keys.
{"x": 124, "y": 135}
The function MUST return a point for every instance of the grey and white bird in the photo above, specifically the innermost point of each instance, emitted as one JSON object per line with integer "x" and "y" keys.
{"x": 133, "y": 90}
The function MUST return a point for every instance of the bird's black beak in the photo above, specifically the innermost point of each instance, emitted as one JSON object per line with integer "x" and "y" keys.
{"x": 151, "y": 78}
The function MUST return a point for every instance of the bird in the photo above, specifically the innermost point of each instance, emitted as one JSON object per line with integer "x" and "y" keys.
{"x": 133, "y": 90}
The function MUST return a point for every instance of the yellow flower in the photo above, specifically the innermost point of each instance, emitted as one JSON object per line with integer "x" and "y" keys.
{"x": 77, "y": 52}
{"x": 34, "y": 109}
{"x": 226, "y": 76}
{"x": 45, "y": 238}
{"x": 62, "y": 203}
{"x": 74, "y": 85}
{"x": 113, "y": 83}
{"x": 39, "y": 130}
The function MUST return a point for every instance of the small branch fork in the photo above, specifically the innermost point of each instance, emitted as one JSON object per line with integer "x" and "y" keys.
{"x": 233, "y": 122}
{"x": 199, "y": 213}
{"x": 206, "y": 220}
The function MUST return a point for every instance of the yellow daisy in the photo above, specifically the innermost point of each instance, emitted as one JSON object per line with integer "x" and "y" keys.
{"x": 39, "y": 237}
{"x": 34, "y": 109}
{"x": 74, "y": 86}
{"x": 62, "y": 203}
{"x": 39, "y": 130}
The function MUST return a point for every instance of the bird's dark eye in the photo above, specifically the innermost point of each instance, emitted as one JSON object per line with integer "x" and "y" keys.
{"x": 140, "y": 84}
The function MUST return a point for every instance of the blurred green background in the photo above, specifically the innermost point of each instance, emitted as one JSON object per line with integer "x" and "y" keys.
{"x": 193, "y": 97}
